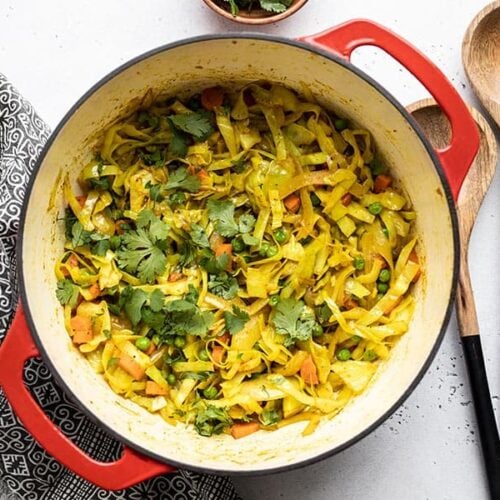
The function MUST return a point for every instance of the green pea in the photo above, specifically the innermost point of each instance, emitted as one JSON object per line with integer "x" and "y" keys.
{"x": 316, "y": 202}
{"x": 179, "y": 342}
{"x": 369, "y": 355}
{"x": 281, "y": 235}
{"x": 264, "y": 248}
{"x": 344, "y": 354}
{"x": 203, "y": 355}
{"x": 142, "y": 343}
{"x": 384, "y": 276}
{"x": 340, "y": 124}
{"x": 210, "y": 392}
{"x": 317, "y": 330}
{"x": 359, "y": 263}
{"x": 274, "y": 300}
{"x": 238, "y": 245}
{"x": 375, "y": 208}
{"x": 382, "y": 287}
{"x": 171, "y": 379}
{"x": 271, "y": 251}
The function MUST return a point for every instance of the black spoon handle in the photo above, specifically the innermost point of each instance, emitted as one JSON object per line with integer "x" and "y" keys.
{"x": 488, "y": 431}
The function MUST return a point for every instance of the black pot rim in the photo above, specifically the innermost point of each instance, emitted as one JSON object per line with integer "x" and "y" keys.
{"x": 385, "y": 93}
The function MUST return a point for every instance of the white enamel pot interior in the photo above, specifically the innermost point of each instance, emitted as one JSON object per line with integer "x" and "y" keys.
{"x": 184, "y": 68}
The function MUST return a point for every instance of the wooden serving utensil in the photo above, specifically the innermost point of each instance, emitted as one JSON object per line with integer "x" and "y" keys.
{"x": 436, "y": 127}
{"x": 481, "y": 57}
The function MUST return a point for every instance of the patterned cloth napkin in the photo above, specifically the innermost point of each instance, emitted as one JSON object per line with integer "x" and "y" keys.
{"x": 26, "y": 470}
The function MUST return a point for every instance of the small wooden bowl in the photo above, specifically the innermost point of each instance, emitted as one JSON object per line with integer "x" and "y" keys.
{"x": 256, "y": 16}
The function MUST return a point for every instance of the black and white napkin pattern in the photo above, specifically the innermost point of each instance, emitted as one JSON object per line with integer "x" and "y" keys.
{"x": 26, "y": 471}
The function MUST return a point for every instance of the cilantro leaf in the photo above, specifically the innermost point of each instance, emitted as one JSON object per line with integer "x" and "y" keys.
{"x": 198, "y": 236}
{"x": 145, "y": 118}
{"x": 291, "y": 321}
{"x": 235, "y": 321}
{"x": 213, "y": 264}
{"x": 222, "y": 213}
{"x": 211, "y": 420}
{"x": 142, "y": 250}
{"x": 224, "y": 285}
{"x": 180, "y": 179}
{"x": 192, "y": 295}
{"x": 155, "y": 158}
{"x": 156, "y": 300}
{"x": 270, "y": 417}
{"x": 246, "y": 223}
{"x": 249, "y": 240}
{"x": 275, "y": 5}
{"x": 132, "y": 300}
{"x": 178, "y": 145}
{"x": 79, "y": 236}
{"x": 197, "y": 124}
{"x": 67, "y": 292}
{"x": 69, "y": 221}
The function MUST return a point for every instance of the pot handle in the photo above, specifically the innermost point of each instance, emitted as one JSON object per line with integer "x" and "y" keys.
{"x": 131, "y": 468}
{"x": 457, "y": 157}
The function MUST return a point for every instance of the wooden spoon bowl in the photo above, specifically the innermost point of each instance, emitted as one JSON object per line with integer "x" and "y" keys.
{"x": 481, "y": 57}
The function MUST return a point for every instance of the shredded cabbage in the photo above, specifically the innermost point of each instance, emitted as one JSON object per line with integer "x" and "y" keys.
{"x": 234, "y": 257}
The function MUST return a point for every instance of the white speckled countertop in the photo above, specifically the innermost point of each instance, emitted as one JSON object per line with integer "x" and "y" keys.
{"x": 54, "y": 50}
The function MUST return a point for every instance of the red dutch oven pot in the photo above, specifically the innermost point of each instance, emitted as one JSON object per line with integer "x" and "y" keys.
{"x": 432, "y": 180}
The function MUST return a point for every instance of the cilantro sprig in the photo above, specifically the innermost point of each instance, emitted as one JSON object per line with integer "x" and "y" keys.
{"x": 67, "y": 292}
{"x": 166, "y": 318}
{"x": 143, "y": 250}
{"x": 211, "y": 420}
{"x": 292, "y": 321}
{"x": 235, "y": 321}
{"x": 222, "y": 213}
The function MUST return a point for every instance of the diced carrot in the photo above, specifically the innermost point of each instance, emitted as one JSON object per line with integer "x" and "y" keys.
{"x": 202, "y": 174}
{"x": 350, "y": 303}
{"x": 73, "y": 261}
{"x": 292, "y": 203}
{"x": 212, "y": 98}
{"x": 413, "y": 257}
{"x": 81, "y": 326}
{"x": 225, "y": 248}
{"x": 154, "y": 389}
{"x": 346, "y": 199}
{"x": 225, "y": 338}
{"x": 217, "y": 354}
{"x": 215, "y": 240}
{"x": 175, "y": 276}
{"x": 308, "y": 371}
{"x": 245, "y": 429}
{"x": 382, "y": 260}
{"x": 81, "y": 200}
{"x": 382, "y": 182}
{"x": 131, "y": 366}
{"x": 94, "y": 290}
{"x": 151, "y": 349}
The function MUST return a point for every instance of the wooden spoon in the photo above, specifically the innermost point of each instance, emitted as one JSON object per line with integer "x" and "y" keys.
{"x": 437, "y": 128}
{"x": 481, "y": 57}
